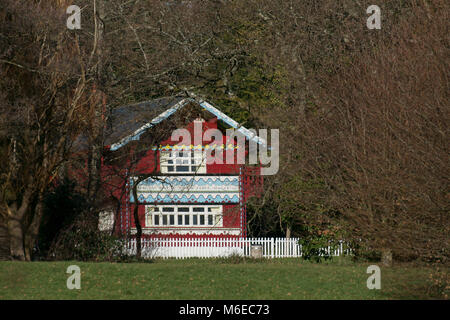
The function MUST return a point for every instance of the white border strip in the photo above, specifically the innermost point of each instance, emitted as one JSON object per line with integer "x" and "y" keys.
{"x": 205, "y": 105}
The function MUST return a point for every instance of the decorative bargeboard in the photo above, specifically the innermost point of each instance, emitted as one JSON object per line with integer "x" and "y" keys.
{"x": 189, "y": 189}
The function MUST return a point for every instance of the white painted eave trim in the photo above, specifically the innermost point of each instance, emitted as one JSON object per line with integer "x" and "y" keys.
{"x": 205, "y": 105}
{"x": 136, "y": 135}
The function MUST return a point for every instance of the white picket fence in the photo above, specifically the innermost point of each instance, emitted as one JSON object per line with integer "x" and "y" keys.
{"x": 221, "y": 247}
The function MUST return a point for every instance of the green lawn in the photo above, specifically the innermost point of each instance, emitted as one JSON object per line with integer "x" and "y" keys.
{"x": 210, "y": 279}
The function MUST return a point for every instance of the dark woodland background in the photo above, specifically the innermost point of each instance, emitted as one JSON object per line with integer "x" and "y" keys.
{"x": 363, "y": 114}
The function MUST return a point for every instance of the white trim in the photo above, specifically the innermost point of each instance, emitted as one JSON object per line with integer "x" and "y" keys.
{"x": 191, "y": 184}
{"x": 222, "y": 116}
{"x": 205, "y": 105}
{"x": 189, "y": 231}
{"x": 137, "y": 134}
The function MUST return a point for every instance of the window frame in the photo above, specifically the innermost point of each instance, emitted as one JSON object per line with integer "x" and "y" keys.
{"x": 170, "y": 161}
{"x": 151, "y": 211}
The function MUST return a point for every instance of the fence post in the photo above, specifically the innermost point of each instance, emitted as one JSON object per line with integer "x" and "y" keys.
{"x": 272, "y": 248}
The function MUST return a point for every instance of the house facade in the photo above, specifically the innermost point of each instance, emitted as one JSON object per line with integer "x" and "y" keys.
{"x": 191, "y": 182}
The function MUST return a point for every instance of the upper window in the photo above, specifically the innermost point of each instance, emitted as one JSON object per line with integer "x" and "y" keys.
{"x": 177, "y": 162}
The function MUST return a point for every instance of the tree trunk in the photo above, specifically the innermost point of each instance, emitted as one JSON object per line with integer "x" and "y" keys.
{"x": 4, "y": 239}
{"x": 386, "y": 257}
{"x": 138, "y": 232}
{"x": 98, "y": 104}
{"x": 33, "y": 230}
{"x": 16, "y": 239}
{"x": 15, "y": 225}
{"x": 137, "y": 222}
{"x": 288, "y": 232}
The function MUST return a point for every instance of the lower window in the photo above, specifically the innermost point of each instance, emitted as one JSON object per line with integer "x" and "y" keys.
{"x": 183, "y": 216}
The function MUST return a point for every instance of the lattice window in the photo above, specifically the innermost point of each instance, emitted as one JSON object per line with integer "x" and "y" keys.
{"x": 183, "y": 216}
{"x": 178, "y": 162}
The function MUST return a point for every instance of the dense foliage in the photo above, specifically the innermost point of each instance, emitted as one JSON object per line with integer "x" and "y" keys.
{"x": 363, "y": 114}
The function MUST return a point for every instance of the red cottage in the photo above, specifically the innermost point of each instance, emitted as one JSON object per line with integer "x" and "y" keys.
{"x": 185, "y": 183}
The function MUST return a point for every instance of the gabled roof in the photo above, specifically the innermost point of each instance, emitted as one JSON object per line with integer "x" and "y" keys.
{"x": 138, "y": 118}
{"x": 124, "y": 120}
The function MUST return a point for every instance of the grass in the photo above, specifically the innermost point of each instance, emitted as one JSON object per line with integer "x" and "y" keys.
{"x": 210, "y": 279}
